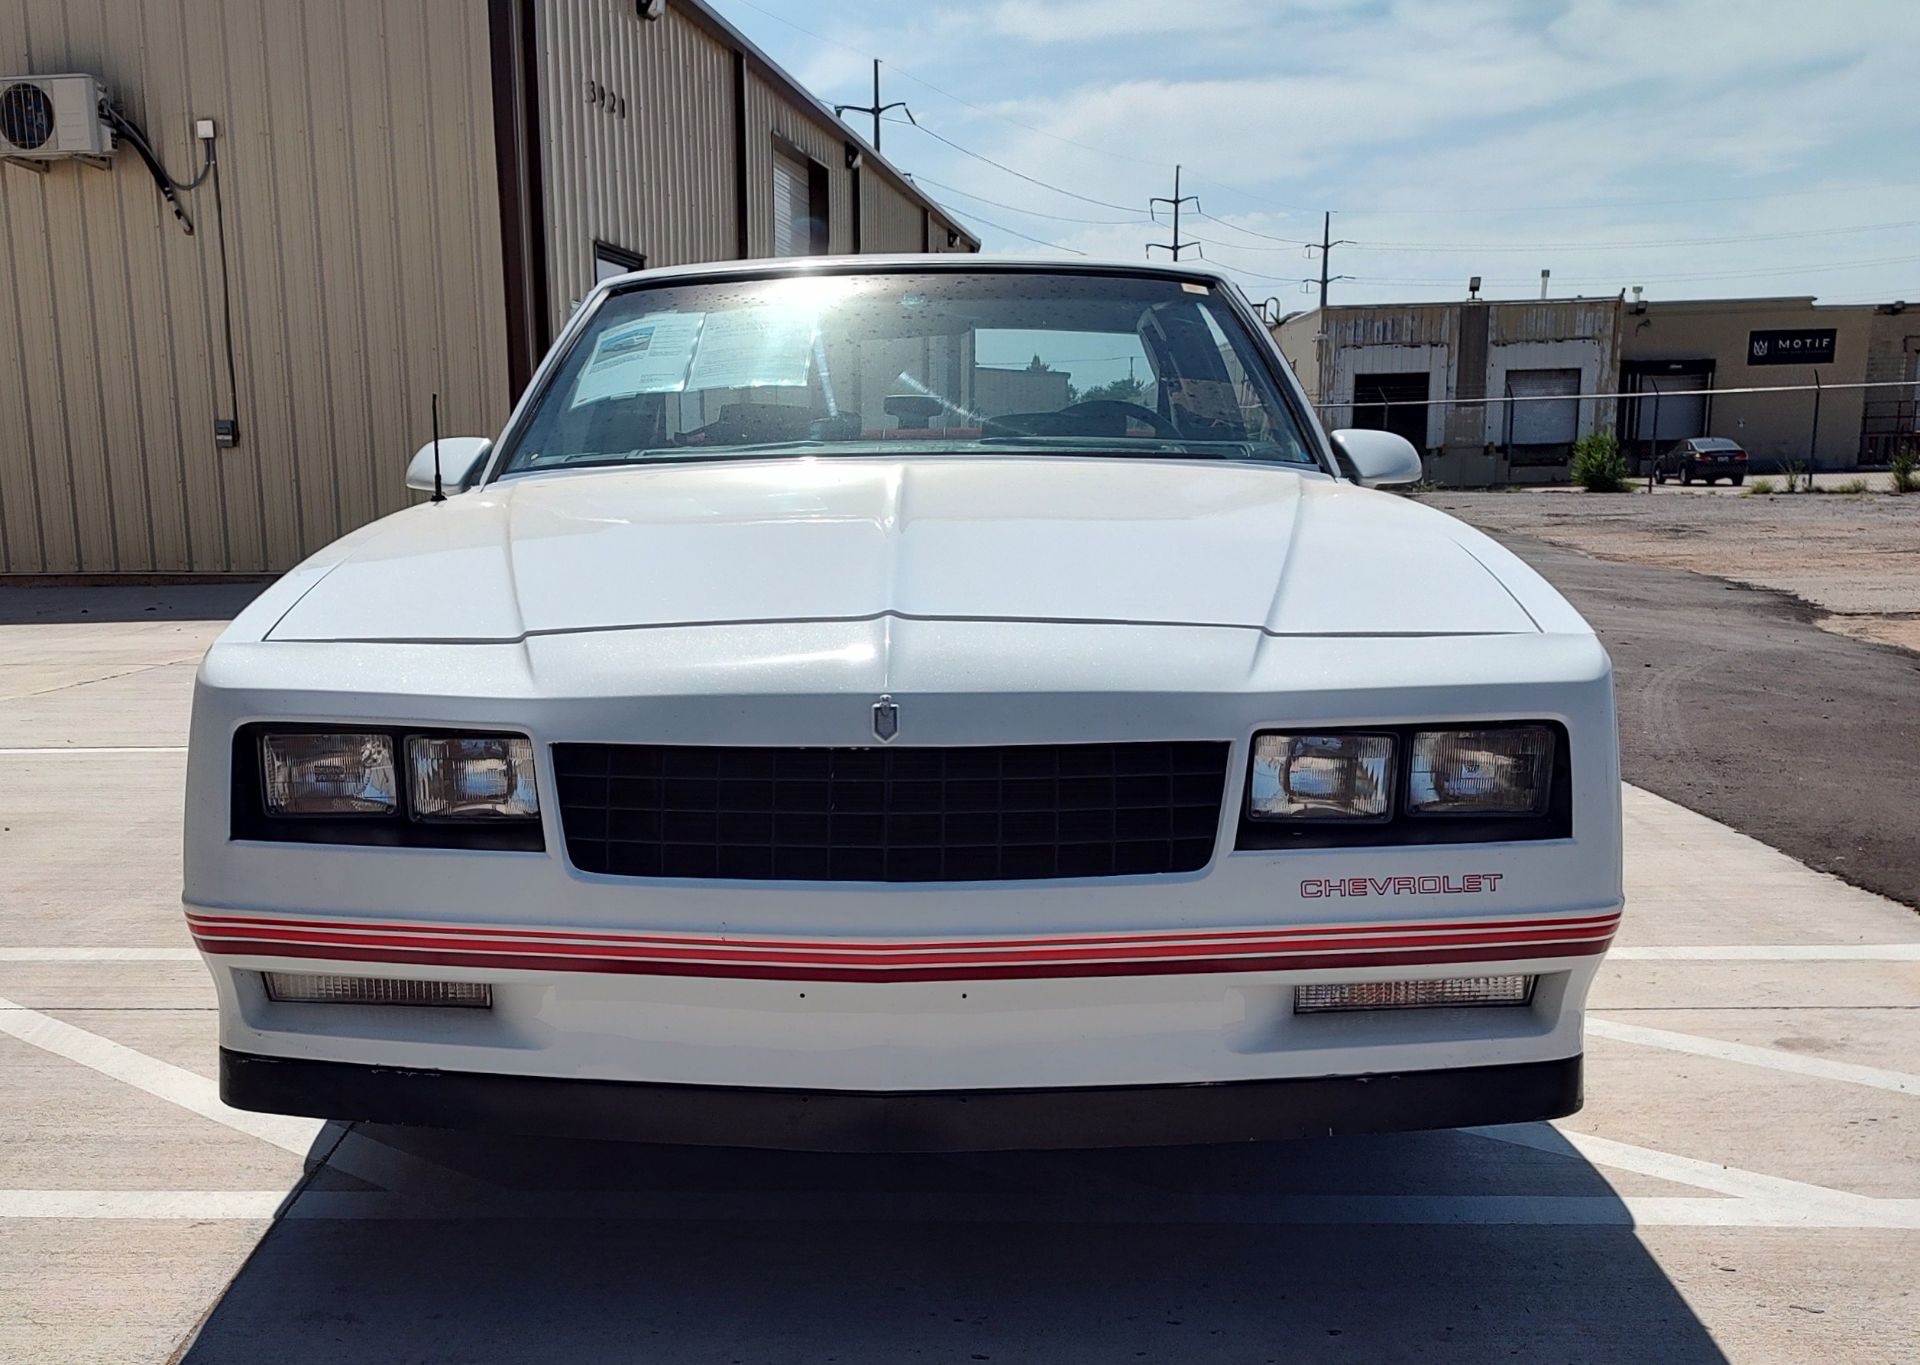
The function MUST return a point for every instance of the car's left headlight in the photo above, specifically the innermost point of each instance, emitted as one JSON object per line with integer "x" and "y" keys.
{"x": 1497, "y": 771}
{"x": 1378, "y": 786}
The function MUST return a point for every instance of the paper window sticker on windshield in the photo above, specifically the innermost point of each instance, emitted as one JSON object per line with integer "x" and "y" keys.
{"x": 651, "y": 354}
{"x": 754, "y": 348}
{"x": 1194, "y": 288}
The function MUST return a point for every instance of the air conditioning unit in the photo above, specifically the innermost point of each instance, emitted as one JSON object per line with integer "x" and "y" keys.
{"x": 45, "y": 118}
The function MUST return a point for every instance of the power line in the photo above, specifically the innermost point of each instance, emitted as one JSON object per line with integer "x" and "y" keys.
{"x": 917, "y": 79}
{"x": 1034, "y": 213}
{"x": 1015, "y": 232}
{"x": 1021, "y": 175}
{"x": 1290, "y": 241}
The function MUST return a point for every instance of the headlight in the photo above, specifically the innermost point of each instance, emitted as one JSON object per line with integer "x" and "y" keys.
{"x": 471, "y": 778}
{"x": 1504, "y": 771}
{"x": 329, "y": 774}
{"x": 1322, "y": 777}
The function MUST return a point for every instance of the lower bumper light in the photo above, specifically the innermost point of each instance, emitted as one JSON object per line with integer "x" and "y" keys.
{"x": 1413, "y": 995}
{"x": 303, "y": 988}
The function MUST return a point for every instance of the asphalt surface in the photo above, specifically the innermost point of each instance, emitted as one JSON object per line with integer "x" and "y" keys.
{"x": 1733, "y": 703}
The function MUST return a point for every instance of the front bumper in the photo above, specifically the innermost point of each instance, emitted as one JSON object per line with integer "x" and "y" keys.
{"x": 920, "y": 1121}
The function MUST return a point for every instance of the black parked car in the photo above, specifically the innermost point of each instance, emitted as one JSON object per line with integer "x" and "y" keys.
{"x": 1702, "y": 457}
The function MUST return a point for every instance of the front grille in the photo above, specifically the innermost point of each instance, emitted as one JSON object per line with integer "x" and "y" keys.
{"x": 891, "y": 815}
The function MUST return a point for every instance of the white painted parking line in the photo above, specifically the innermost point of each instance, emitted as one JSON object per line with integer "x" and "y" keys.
{"x": 1783, "y": 952}
{"x": 1776, "y": 1059}
{"x": 46, "y": 750}
{"x": 1678, "y": 1170}
{"x": 355, "y": 1154}
{"x": 139, "y": 1204}
{"x": 870, "y": 1206}
{"x": 99, "y": 955}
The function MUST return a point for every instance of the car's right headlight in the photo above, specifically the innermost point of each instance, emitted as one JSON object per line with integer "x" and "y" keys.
{"x": 386, "y": 785}
{"x": 471, "y": 777}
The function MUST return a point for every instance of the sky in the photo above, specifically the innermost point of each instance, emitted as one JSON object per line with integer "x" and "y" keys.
{"x": 1698, "y": 148}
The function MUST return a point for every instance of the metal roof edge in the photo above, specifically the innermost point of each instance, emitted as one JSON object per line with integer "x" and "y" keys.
{"x": 722, "y": 28}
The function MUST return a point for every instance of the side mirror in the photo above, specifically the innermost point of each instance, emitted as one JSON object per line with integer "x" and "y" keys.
{"x": 1378, "y": 457}
{"x": 460, "y": 459}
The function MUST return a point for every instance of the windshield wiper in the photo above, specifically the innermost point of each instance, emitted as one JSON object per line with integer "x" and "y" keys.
{"x": 1124, "y": 445}
{"x": 666, "y": 454}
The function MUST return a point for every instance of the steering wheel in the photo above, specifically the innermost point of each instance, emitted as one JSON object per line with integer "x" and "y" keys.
{"x": 1101, "y": 407}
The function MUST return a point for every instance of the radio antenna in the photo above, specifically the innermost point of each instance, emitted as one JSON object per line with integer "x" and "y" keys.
{"x": 439, "y": 493}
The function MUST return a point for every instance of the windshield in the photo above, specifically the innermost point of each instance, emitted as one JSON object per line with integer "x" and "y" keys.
{"x": 911, "y": 363}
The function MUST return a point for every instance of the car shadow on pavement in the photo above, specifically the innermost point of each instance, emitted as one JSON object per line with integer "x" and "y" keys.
{"x": 54, "y": 604}
{"x": 598, "y": 1251}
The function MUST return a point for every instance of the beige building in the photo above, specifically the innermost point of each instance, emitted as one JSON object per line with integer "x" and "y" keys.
{"x": 408, "y": 199}
{"x": 1721, "y": 346}
{"x": 1435, "y": 372}
{"x": 1441, "y": 374}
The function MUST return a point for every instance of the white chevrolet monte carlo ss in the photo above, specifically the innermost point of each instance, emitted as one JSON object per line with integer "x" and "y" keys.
{"x": 912, "y": 703}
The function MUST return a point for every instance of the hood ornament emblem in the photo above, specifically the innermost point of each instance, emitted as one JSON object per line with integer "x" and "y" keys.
{"x": 886, "y": 719}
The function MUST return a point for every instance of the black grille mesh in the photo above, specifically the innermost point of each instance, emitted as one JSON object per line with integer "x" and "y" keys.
{"x": 891, "y": 815}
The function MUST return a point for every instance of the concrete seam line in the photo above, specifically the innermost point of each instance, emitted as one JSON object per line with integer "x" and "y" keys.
{"x": 867, "y": 1206}
{"x": 1776, "y": 1059}
{"x": 1680, "y": 1170}
{"x": 51, "y": 955}
{"x": 62, "y": 749}
{"x": 196, "y": 1094}
{"x": 1786, "y": 952}
{"x": 106, "y": 677}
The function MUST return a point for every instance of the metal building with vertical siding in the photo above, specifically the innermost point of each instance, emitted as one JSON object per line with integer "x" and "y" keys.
{"x": 408, "y": 198}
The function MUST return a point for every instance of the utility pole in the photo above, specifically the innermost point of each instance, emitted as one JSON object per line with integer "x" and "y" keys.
{"x": 876, "y": 108}
{"x": 1176, "y": 246}
{"x": 1327, "y": 244}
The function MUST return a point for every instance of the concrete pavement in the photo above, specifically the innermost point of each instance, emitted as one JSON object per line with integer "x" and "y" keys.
{"x": 1744, "y": 1182}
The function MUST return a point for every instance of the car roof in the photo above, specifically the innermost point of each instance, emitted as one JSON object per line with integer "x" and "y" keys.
{"x": 969, "y": 261}
{"x": 1715, "y": 443}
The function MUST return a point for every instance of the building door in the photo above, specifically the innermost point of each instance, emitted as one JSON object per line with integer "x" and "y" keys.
{"x": 1393, "y": 402}
{"x": 1541, "y": 432}
{"x": 1675, "y": 407}
{"x": 799, "y": 204}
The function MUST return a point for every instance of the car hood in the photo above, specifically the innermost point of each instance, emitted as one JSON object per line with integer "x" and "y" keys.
{"x": 1051, "y": 538}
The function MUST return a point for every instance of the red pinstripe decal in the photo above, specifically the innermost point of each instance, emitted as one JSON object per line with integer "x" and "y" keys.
{"x": 725, "y": 953}
{"x": 1004, "y": 971}
{"x": 225, "y": 923}
{"x": 1296, "y": 948}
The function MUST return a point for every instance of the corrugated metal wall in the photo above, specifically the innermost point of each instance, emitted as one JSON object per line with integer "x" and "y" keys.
{"x": 770, "y": 114}
{"x": 363, "y": 231}
{"x": 890, "y": 220}
{"x": 657, "y": 181}
{"x": 660, "y": 179}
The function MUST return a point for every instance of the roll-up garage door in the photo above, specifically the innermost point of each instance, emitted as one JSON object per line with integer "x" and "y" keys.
{"x": 792, "y": 224}
{"x": 1544, "y": 424}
